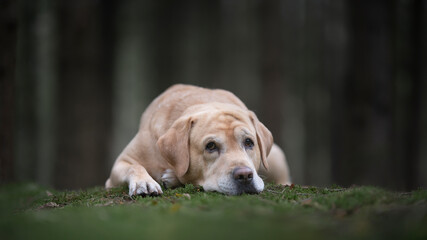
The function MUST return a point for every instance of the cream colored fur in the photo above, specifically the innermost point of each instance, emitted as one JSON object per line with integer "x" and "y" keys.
{"x": 170, "y": 147}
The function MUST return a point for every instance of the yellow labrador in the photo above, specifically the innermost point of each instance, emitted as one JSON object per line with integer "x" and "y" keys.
{"x": 205, "y": 137}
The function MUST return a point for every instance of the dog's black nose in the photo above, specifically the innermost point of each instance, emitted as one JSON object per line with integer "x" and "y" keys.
{"x": 243, "y": 175}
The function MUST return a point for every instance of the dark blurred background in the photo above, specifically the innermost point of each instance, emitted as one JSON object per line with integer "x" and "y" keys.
{"x": 339, "y": 83}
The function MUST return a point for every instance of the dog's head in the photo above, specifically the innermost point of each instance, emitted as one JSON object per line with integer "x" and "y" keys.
{"x": 218, "y": 146}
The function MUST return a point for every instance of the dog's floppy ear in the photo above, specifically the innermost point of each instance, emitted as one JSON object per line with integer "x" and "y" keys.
{"x": 174, "y": 145}
{"x": 264, "y": 138}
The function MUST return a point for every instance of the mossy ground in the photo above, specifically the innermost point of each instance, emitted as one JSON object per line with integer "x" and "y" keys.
{"x": 29, "y": 211}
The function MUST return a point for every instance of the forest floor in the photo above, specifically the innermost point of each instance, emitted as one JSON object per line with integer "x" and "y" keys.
{"x": 29, "y": 211}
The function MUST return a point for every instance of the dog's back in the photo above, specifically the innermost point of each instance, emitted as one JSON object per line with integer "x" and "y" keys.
{"x": 173, "y": 102}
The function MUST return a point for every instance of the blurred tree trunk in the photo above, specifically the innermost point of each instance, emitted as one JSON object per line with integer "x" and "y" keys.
{"x": 409, "y": 84}
{"x": 84, "y": 93}
{"x": 197, "y": 39}
{"x": 271, "y": 63}
{"x": 422, "y": 68}
{"x": 320, "y": 20}
{"x": 291, "y": 113}
{"x": 25, "y": 159}
{"x": 166, "y": 16}
{"x": 45, "y": 76}
{"x": 364, "y": 144}
{"x": 134, "y": 77}
{"x": 8, "y": 33}
{"x": 413, "y": 143}
{"x": 238, "y": 60}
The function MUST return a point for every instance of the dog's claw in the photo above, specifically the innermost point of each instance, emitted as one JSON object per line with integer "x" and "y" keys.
{"x": 144, "y": 188}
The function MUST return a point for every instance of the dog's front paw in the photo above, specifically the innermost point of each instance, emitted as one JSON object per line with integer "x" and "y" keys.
{"x": 169, "y": 179}
{"x": 144, "y": 187}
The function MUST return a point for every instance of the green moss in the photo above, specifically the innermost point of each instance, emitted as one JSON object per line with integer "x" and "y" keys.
{"x": 354, "y": 198}
{"x": 33, "y": 212}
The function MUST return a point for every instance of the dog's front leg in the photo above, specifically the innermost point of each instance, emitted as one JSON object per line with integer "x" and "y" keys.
{"x": 128, "y": 171}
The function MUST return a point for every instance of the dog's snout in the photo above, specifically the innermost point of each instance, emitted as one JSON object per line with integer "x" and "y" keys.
{"x": 243, "y": 174}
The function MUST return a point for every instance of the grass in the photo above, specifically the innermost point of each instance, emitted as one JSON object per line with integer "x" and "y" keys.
{"x": 29, "y": 211}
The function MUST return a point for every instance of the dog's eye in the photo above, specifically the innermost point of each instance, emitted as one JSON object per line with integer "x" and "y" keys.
{"x": 211, "y": 147}
{"x": 248, "y": 143}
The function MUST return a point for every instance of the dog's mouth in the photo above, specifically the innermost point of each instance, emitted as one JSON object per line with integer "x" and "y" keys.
{"x": 239, "y": 190}
{"x": 230, "y": 186}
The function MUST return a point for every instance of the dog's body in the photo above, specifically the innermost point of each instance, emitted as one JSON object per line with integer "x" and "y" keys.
{"x": 200, "y": 136}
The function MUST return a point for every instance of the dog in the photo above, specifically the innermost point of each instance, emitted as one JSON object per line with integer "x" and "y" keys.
{"x": 205, "y": 137}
